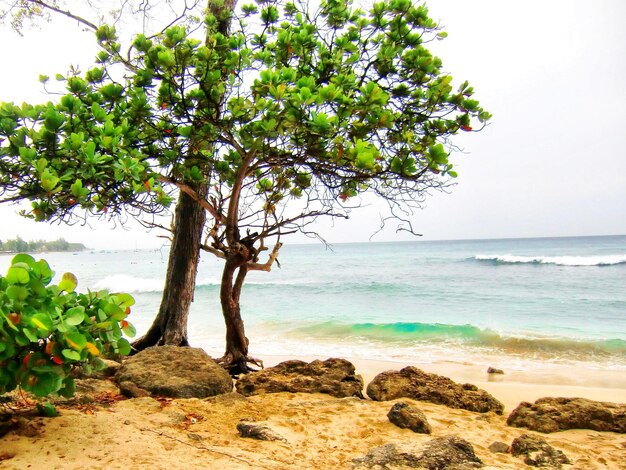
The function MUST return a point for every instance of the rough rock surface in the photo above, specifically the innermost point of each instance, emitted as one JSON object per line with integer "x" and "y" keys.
{"x": 259, "y": 431}
{"x": 406, "y": 416}
{"x": 335, "y": 377}
{"x": 558, "y": 414}
{"x": 449, "y": 452}
{"x": 537, "y": 452}
{"x": 412, "y": 382}
{"x": 173, "y": 372}
{"x": 498, "y": 447}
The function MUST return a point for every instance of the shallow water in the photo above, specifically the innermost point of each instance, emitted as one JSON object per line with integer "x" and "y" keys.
{"x": 525, "y": 302}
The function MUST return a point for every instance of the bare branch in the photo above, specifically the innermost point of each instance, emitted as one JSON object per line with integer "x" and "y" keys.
{"x": 66, "y": 13}
{"x": 267, "y": 267}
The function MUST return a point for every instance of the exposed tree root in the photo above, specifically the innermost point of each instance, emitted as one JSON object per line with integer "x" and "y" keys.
{"x": 240, "y": 366}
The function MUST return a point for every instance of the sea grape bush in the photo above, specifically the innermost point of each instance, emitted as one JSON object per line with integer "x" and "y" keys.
{"x": 48, "y": 330}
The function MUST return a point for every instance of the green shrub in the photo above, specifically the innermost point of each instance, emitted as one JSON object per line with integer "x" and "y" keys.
{"x": 47, "y": 330}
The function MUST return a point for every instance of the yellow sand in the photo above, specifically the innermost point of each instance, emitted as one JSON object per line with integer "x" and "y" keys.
{"x": 321, "y": 432}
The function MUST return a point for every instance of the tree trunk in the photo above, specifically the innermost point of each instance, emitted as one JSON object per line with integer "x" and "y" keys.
{"x": 170, "y": 325}
{"x": 236, "y": 356}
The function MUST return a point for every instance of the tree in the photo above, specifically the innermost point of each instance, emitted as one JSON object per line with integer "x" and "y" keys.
{"x": 170, "y": 325}
{"x": 290, "y": 117}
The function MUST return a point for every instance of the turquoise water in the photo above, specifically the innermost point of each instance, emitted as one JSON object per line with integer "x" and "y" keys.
{"x": 553, "y": 300}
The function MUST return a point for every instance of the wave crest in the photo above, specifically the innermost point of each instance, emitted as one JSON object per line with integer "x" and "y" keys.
{"x": 606, "y": 260}
{"x": 467, "y": 335}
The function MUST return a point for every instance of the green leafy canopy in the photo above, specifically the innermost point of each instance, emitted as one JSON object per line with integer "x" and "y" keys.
{"x": 327, "y": 103}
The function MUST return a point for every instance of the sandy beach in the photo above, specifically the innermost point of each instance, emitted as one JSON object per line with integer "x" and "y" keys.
{"x": 319, "y": 431}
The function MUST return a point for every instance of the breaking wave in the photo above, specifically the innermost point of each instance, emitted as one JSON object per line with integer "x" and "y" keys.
{"x": 606, "y": 260}
{"x": 468, "y": 335}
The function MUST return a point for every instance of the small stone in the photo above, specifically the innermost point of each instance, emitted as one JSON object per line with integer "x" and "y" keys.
{"x": 493, "y": 370}
{"x": 498, "y": 447}
{"x": 259, "y": 431}
{"x": 537, "y": 452}
{"x": 126, "y": 422}
{"x": 410, "y": 417}
{"x": 194, "y": 436}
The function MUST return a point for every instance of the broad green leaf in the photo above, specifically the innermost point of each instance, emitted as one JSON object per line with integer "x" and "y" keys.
{"x": 17, "y": 275}
{"x": 75, "y": 340}
{"x": 124, "y": 300}
{"x": 23, "y": 258}
{"x": 129, "y": 330}
{"x": 68, "y": 282}
{"x": 47, "y": 410}
{"x": 42, "y": 322}
{"x": 71, "y": 354}
{"x": 74, "y": 316}
{"x": 123, "y": 347}
{"x": 17, "y": 292}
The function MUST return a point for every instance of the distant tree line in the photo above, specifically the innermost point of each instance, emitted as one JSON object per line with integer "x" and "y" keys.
{"x": 18, "y": 245}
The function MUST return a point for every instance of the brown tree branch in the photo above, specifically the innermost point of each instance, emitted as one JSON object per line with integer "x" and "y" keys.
{"x": 66, "y": 13}
{"x": 267, "y": 267}
{"x": 213, "y": 251}
{"x": 195, "y": 196}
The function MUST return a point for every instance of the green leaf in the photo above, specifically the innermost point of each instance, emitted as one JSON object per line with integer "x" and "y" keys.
{"x": 68, "y": 282}
{"x": 47, "y": 409}
{"x": 124, "y": 300}
{"x": 75, "y": 340}
{"x": 46, "y": 384}
{"x": 71, "y": 354}
{"x": 75, "y": 316}
{"x": 17, "y": 275}
{"x": 30, "y": 335}
{"x": 129, "y": 330}
{"x": 17, "y": 292}
{"x": 42, "y": 322}
{"x": 69, "y": 388}
{"x": 123, "y": 347}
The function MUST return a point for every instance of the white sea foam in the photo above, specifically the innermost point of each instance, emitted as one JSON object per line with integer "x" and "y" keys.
{"x": 128, "y": 283}
{"x": 606, "y": 260}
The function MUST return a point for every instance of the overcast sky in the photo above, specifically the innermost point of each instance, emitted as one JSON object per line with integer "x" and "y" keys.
{"x": 552, "y": 163}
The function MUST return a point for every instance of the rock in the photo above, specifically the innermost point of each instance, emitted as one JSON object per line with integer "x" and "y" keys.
{"x": 173, "y": 371}
{"x": 493, "y": 370}
{"x": 537, "y": 452}
{"x": 558, "y": 414}
{"x": 410, "y": 417}
{"x": 449, "y": 452}
{"x": 259, "y": 431}
{"x": 8, "y": 424}
{"x": 498, "y": 447}
{"x": 411, "y": 382}
{"x": 334, "y": 377}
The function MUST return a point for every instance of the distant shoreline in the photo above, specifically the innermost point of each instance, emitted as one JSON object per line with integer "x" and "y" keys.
{"x": 39, "y": 246}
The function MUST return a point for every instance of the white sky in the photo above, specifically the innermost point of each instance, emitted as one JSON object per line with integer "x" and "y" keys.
{"x": 552, "y": 163}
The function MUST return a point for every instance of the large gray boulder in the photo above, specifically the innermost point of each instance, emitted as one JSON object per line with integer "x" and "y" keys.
{"x": 559, "y": 414}
{"x": 334, "y": 377}
{"x": 448, "y": 452}
{"x": 414, "y": 383}
{"x": 173, "y": 371}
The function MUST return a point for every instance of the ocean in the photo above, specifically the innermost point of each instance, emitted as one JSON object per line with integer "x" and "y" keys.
{"x": 515, "y": 303}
